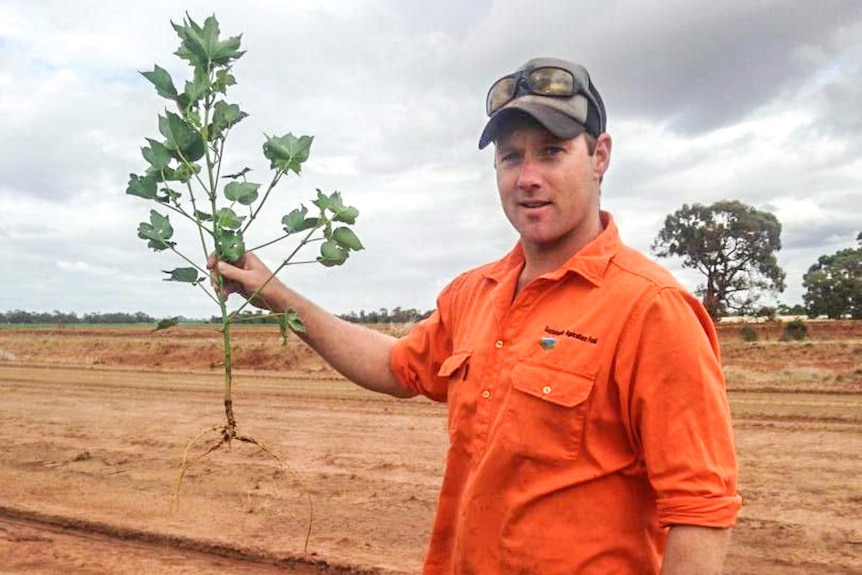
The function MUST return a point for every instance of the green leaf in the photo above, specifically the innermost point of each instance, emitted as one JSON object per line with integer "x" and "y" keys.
{"x": 223, "y": 79}
{"x": 201, "y": 45}
{"x": 323, "y": 201}
{"x": 229, "y": 245}
{"x": 185, "y": 275}
{"x": 157, "y": 155}
{"x": 182, "y": 139}
{"x": 143, "y": 187}
{"x": 166, "y": 323}
{"x": 294, "y": 321}
{"x": 184, "y": 172}
{"x": 192, "y": 46}
{"x": 158, "y": 175}
{"x": 161, "y": 79}
{"x": 203, "y": 216}
{"x": 332, "y": 253}
{"x": 198, "y": 88}
{"x": 227, "y": 50}
{"x": 347, "y": 215}
{"x": 296, "y": 221}
{"x": 347, "y": 239}
{"x": 334, "y": 204}
{"x": 169, "y": 195}
{"x": 157, "y": 232}
{"x": 242, "y": 192}
{"x": 193, "y": 118}
{"x": 289, "y": 320}
{"x": 226, "y": 218}
{"x": 282, "y": 328}
{"x": 237, "y": 175}
{"x": 225, "y": 116}
{"x": 183, "y": 102}
{"x": 287, "y": 153}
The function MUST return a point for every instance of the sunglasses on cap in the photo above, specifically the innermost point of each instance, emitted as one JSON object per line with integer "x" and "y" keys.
{"x": 542, "y": 81}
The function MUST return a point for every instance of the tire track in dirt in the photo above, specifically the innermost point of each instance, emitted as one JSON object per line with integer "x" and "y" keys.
{"x": 18, "y": 526}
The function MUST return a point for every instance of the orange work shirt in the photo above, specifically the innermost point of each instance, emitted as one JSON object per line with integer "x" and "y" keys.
{"x": 587, "y": 414}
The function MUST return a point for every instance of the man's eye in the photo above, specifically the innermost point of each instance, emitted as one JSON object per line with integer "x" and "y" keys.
{"x": 509, "y": 158}
{"x": 553, "y": 151}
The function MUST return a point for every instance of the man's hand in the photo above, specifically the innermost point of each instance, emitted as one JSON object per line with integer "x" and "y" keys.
{"x": 357, "y": 352}
{"x": 246, "y": 276}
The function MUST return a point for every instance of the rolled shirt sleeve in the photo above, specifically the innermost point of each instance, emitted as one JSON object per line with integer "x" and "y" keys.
{"x": 678, "y": 411}
{"x": 416, "y": 358}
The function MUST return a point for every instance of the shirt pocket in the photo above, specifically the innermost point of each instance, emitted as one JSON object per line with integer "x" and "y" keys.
{"x": 455, "y": 369}
{"x": 546, "y": 412}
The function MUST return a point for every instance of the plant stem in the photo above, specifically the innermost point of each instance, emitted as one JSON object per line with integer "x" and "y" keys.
{"x": 212, "y": 192}
{"x": 197, "y": 218}
{"x": 269, "y": 243}
{"x": 197, "y": 267}
{"x": 228, "y": 401}
{"x": 180, "y": 211}
{"x": 272, "y": 184}
{"x": 209, "y": 295}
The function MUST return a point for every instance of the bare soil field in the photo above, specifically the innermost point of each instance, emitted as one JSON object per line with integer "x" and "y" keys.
{"x": 94, "y": 421}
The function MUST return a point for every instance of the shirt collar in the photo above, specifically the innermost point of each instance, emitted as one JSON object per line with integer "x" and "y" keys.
{"x": 590, "y": 262}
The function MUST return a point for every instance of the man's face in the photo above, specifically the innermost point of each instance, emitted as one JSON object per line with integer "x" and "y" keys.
{"x": 549, "y": 188}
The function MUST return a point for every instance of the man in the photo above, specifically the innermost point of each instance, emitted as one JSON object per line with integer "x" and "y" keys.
{"x": 588, "y": 420}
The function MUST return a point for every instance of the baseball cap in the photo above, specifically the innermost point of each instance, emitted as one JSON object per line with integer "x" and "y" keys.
{"x": 557, "y": 93}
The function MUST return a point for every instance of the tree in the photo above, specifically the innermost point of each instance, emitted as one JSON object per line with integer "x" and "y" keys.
{"x": 833, "y": 286}
{"x": 795, "y": 309}
{"x": 733, "y": 245}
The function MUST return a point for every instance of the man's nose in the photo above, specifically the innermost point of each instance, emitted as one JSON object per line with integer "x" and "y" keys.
{"x": 530, "y": 174}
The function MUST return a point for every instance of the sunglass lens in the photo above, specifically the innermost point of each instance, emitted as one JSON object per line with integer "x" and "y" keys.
{"x": 500, "y": 93}
{"x": 552, "y": 82}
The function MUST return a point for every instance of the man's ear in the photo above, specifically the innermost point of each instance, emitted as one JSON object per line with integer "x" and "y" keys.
{"x": 602, "y": 155}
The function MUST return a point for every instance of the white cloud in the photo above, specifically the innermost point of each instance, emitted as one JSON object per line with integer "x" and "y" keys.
{"x": 736, "y": 99}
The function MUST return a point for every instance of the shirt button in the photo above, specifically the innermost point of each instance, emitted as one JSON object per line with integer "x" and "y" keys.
{"x": 546, "y": 390}
{"x": 486, "y": 394}
{"x": 499, "y": 344}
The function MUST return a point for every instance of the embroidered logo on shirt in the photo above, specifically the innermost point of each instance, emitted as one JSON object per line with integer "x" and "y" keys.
{"x": 572, "y": 334}
{"x": 548, "y": 343}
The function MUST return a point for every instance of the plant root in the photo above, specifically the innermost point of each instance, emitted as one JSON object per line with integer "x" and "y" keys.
{"x": 227, "y": 434}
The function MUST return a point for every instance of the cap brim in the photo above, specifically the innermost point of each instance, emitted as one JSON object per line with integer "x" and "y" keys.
{"x": 554, "y": 121}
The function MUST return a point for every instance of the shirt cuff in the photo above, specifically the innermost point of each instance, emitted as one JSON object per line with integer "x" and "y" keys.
{"x": 700, "y": 511}
{"x": 399, "y": 365}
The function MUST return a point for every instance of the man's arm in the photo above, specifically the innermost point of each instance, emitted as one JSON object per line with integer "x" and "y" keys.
{"x": 693, "y": 550}
{"x": 358, "y": 353}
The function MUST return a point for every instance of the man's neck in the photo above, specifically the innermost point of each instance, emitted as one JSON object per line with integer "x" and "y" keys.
{"x": 540, "y": 260}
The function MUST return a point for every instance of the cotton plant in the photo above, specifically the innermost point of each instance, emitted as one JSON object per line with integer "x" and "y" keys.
{"x": 184, "y": 180}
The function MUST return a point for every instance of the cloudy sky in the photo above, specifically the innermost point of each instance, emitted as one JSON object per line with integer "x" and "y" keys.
{"x": 755, "y": 100}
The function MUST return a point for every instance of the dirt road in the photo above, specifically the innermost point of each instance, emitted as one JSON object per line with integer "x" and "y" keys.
{"x": 91, "y": 450}
{"x": 104, "y": 446}
{"x": 50, "y": 545}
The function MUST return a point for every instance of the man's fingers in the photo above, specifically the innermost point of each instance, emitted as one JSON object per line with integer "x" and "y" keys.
{"x": 213, "y": 261}
{"x": 228, "y": 271}
{"x": 241, "y": 276}
{"x": 231, "y": 277}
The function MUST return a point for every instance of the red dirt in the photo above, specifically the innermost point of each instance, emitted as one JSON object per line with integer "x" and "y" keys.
{"x": 95, "y": 422}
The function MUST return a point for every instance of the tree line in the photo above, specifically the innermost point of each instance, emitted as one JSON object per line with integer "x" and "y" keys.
{"x": 59, "y": 318}
{"x": 733, "y": 246}
{"x": 381, "y": 316}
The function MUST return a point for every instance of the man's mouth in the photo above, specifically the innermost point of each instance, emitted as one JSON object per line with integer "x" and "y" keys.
{"x": 533, "y": 204}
